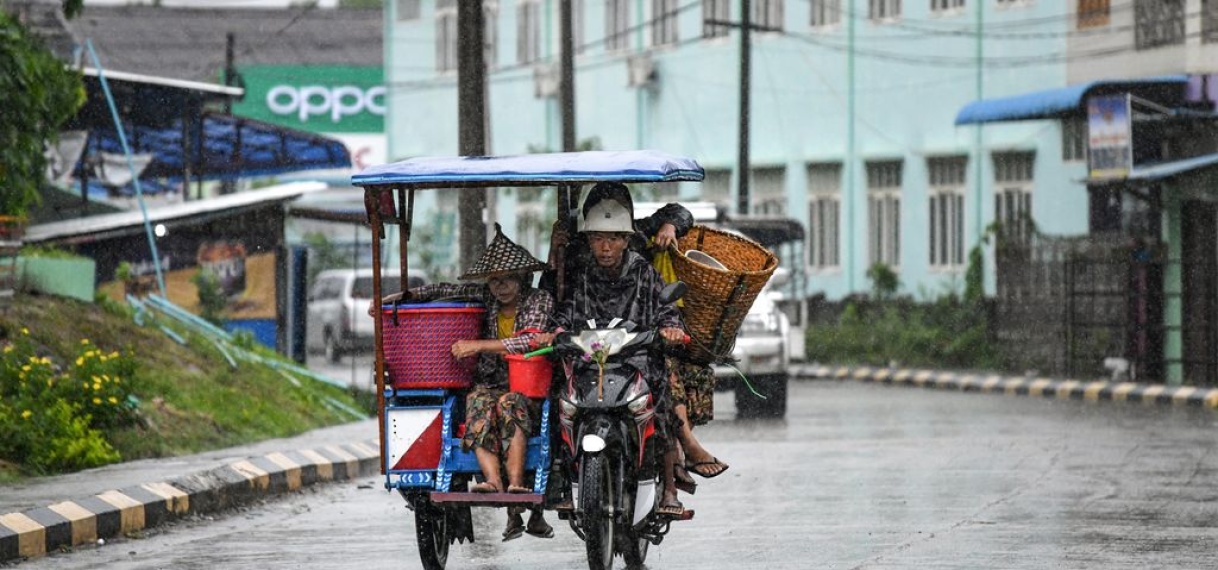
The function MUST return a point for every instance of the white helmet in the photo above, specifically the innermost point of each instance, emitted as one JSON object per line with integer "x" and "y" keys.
{"x": 607, "y": 216}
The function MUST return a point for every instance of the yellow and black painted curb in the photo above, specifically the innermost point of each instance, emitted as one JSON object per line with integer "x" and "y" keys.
{"x": 1090, "y": 390}
{"x": 123, "y": 511}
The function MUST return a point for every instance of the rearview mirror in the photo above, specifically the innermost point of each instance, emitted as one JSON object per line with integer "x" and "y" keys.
{"x": 781, "y": 277}
{"x": 672, "y": 292}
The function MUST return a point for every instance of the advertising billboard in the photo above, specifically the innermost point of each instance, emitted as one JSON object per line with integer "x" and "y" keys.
{"x": 316, "y": 98}
{"x": 1109, "y": 137}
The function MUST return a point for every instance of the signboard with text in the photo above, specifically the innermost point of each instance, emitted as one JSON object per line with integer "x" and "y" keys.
{"x": 316, "y": 98}
{"x": 1109, "y": 137}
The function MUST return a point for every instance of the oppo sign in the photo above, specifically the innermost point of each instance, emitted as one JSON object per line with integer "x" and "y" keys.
{"x": 321, "y": 100}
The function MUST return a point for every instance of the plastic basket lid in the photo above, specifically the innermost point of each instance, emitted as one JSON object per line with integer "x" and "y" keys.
{"x": 434, "y": 305}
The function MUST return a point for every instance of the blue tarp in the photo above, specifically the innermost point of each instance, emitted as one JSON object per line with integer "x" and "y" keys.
{"x": 1053, "y": 103}
{"x": 228, "y": 148}
{"x": 553, "y": 168}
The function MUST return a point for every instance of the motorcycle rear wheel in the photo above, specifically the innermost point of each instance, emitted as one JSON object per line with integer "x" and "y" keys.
{"x": 431, "y": 529}
{"x": 596, "y": 506}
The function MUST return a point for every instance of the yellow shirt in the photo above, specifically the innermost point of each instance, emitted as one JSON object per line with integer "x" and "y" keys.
{"x": 507, "y": 325}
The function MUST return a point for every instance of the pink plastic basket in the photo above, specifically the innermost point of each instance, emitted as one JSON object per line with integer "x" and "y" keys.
{"x": 418, "y": 348}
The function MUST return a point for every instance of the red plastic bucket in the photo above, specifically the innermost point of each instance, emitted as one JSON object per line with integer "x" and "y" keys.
{"x": 531, "y": 376}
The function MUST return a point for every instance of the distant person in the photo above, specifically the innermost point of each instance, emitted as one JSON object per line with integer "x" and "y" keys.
{"x": 497, "y": 420}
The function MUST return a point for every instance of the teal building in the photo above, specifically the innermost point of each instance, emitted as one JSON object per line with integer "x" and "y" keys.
{"x": 852, "y": 115}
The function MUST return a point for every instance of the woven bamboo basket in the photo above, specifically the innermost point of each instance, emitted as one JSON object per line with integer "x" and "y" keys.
{"x": 718, "y": 298}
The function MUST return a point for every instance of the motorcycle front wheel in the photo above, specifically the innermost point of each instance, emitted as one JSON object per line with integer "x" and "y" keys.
{"x": 596, "y": 506}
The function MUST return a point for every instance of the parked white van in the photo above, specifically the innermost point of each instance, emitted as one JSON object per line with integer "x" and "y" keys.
{"x": 338, "y": 321}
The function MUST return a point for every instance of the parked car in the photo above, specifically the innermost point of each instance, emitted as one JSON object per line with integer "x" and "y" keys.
{"x": 338, "y": 321}
{"x": 765, "y": 341}
{"x": 762, "y": 356}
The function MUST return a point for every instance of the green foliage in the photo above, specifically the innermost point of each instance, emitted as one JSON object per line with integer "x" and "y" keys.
{"x": 212, "y": 301}
{"x": 40, "y": 94}
{"x": 946, "y": 333}
{"x": 47, "y": 252}
{"x": 361, "y": 3}
{"x": 884, "y": 281}
{"x": 323, "y": 255}
{"x": 54, "y": 417}
{"x": 180, "y": 399}
{"x": 974, "y": 276}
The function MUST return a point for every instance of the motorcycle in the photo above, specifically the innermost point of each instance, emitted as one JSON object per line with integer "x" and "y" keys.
{"x": 607, "y": 425}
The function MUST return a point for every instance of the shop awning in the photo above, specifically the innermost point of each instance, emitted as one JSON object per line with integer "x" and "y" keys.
{"x": 1162, "y": 170}
{"x": 170, "y": 120}
{"x": 227, "y": 148}
{"x": 1056, "y": 103}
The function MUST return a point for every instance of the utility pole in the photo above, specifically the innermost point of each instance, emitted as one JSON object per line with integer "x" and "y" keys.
{"x": 742, "y": 163}
{"x": 471, "y": 119}
{"x": 230, "y": 76}
{"x": 567, "y": 197}
{"x": 566, "y": 78}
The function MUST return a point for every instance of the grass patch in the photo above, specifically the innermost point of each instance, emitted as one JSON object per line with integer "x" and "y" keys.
{"x": 186, "y": 398}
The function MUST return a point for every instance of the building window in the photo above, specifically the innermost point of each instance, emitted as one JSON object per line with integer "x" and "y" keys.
{"x": 1074, "y": 139}
{"x": 1092, "y": 13}
{"x": 407, "y": 10}
{"x": 826, "y": 13}
{"x": 577, "y": 26}
{"x": 1158, "y": 23}
{"x": 947, "y": 211}
{"x": 945, "y": 5}
{"x": 528, "y": 32}
{"x": 617, "y": 25}
{"x": 714, "y": 14}
{"x": 1209, "y": 21}
{"x": 884, "y": 212}
{"x": 767, "y": 14}
{"x": 490, "y": 21}
{"x": 1013, "y": 192}
{"x": 884, "y": 10}
{"x": 768, "y": 189}
{"x": 446, "y": 36}
{"x": 717, "y": 186}
{"x": 824, "y": 215}
{"x": 663, "y": 22}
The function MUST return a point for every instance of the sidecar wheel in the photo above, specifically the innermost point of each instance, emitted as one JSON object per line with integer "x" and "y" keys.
{"x": 596, "y": 508}
{"x": 431, "y": 529}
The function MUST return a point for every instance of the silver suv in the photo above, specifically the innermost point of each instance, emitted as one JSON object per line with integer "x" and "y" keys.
{"x": 338, "y": 321}
{"x": 765, "y": 341}
{"x": 763, "y": 356}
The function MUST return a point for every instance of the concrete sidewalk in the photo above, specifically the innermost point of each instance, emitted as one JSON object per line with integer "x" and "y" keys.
{"x": 1065, "y": 389}
{"x": 50, "y": 513}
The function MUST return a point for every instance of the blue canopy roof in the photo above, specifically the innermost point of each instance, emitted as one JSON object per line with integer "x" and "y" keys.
{"x": 1053, "y": 103}
{"x": 552, "y": 168}
{"x": 1163, "y": 170}
{"x": 226, "y": 148}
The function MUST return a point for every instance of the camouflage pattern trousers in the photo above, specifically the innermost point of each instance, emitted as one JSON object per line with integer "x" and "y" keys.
{"x": 492, "y": 416}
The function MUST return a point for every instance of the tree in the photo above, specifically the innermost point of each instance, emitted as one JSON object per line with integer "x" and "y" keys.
{"x": 40, "y": 93}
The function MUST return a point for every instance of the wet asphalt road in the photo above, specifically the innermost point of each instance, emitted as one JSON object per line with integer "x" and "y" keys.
{"x": 858, "y": 476}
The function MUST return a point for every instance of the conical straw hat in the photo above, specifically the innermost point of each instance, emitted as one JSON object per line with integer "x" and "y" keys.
{"x": 502, "y": 257}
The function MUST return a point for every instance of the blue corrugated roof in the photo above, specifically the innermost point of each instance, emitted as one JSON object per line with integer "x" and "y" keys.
{"x": 1162, "y": 170}
{"x": 578, "y": 167}
{"x": 1050, "y": 103}
{"x": 227, "y": 148}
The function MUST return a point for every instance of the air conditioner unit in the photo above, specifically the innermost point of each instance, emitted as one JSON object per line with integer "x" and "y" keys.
{"x": 545, "y": 81}
{"x": 640, "y": 70}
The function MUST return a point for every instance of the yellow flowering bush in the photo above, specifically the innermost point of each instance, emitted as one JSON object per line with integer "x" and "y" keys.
{"x": 53, "y": 416}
